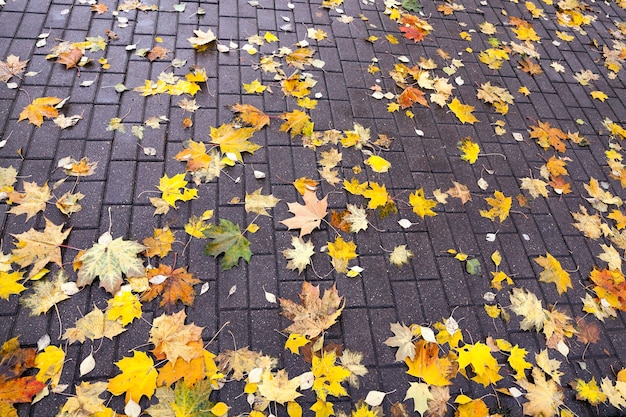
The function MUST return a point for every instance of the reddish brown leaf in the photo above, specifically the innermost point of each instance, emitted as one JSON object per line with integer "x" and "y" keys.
{"x": 70, "y": 58}
{"x": 20, "y": 390}
{"x": 587, "y": 332}
{"x": 13, "y": 360}
{"x": 158, "y": 52}
{"x": 530, "y": 67}
{"x": 338, "y": 220}
{"x": 413, "y": 33}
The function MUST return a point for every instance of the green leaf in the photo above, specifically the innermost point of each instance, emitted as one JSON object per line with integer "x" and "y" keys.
{"x": 227, "y": 240}
{"x": 411, "y": 5}
{"x": 193, "y": 402}
{"x": 473, "y": 266}
{"x": 109, "y": 259}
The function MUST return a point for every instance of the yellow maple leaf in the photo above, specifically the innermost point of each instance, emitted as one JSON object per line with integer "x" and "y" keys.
{"x": 202, "y": 40}
{"x": 138, "y": 377}
{"x": 50, "y": 364}
{"x": 479, "y": 357}
{"x": 40, "y": 107}
{"x": 498, "y": 278}
{"x": 278, "y": 387}
{"x": 303, "y": 184}
{"x": 518, "y": 362}
{"x": 255, "y": 87}
{"x": 124, "y": 306}
{"x": 427, "y": 364}
{"x": 500, "y": 207}
{"x": 554, "y": 272}
{"x": 378, "y": 164}
{"x": 195, "y": 155}
{"x": 526, "y": 304}
{"x": 197, "y": 225}
{"x": 9, "y": 284}
{"x": 588, "y": 391}
{"x": 297, "y": 123}
{"x": 322, "y": 408}
{"x": 295, "y": 342}
{"x": 328, "y": 376}
{"x": 526, "y": 33}
{"x": 234, "y": 141}
{"x": 32, "y": 201}
{"x": 341, "y": 253}
{"x": 160, "y": 244}
{"x": 545, "y": 397}
{"x": 469, "y": 149}
{"x": 171, "y": 189}
{"x": 462, "y": 111}
{"x": 377, "y": 195}
{"x": 422, "y": 206}
{"x": 355, "y": 187}
{"x": 400, "y": 255}
{"x": 599, "y": 95}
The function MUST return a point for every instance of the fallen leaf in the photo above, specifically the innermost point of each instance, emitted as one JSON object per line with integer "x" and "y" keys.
{"x": 11, "y": 67}
{"x": 462, "y": 111}
{"x": 178, "y": 286}
{"x": 314, "y": 314}
{"x": 226, "y": 239}
{"x": 109, "y": 259}
{"x": 299, "y": 257}
{"x": 138, "y": 377}
{"x": 39, "y": 108}
{"x": 308, "y": 216}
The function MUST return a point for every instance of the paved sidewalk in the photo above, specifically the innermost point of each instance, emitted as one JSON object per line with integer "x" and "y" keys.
{"x": 349, "y": 76}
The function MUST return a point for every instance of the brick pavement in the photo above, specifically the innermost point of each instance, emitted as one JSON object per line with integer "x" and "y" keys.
{"x": 431, "y": 287}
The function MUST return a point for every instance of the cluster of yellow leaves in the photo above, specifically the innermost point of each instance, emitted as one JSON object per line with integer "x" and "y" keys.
{"x": 168, "y": 83}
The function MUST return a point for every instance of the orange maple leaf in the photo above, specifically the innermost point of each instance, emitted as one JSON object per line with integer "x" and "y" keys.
{"x": 251, "y": 116}
{"x": 547, "y": 136}
{"x": 40, "y": 107}
{"x": 412, "y": 95}
{"x": 99, "y": 8}
{"x": 14, "y": 388}
{"x": 177, "y": 286}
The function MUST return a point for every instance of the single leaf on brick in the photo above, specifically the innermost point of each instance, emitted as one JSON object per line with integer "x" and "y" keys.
{"x": 46, "y": 294}
{"x": 226, "y": 239}
{"x": 554, "y": 272}
{"x": 462, "y": 111}
{"x": 12, "y": 66}
{"x": 234, "y": 141}
{"x": 299, "y": 257}
{"x": 39, "y": 248}
{"x": 500, "y": 206}
{"x": 296, "y": 123}
{"x": 308, "y": 216}
{"x": 174, "y": 339}
{"x": 40, "y": 107}
{"x": 109, "y": 259}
